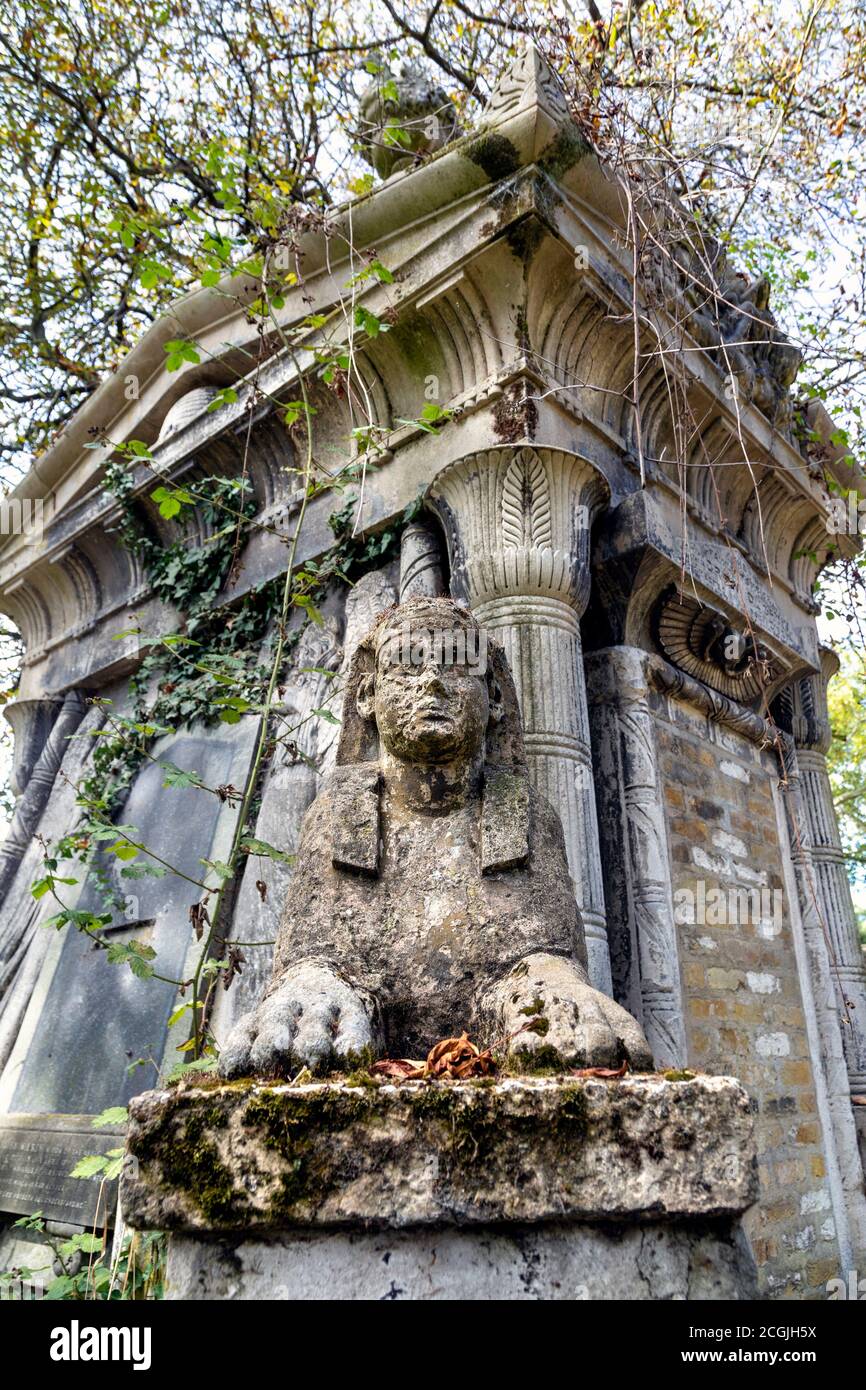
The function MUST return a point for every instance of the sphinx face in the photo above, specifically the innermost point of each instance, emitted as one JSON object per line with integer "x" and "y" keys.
{"x": 426, "y": 709}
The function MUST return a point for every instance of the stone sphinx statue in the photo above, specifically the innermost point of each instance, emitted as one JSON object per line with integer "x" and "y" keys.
{"x": 431, "y": 892}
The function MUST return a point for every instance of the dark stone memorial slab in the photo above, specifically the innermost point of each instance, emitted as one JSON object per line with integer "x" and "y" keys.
{"x": 97, "y": 1018}
{"x": 37, "y": 1154}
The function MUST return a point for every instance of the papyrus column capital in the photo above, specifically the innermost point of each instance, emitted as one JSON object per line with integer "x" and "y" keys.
{"x": 518, "y": 520}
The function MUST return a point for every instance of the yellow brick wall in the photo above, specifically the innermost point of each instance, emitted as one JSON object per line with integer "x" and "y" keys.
{"x": 744, "y": 1009}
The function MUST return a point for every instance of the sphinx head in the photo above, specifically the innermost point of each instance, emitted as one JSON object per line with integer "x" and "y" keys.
{"x": 428, "y": 687}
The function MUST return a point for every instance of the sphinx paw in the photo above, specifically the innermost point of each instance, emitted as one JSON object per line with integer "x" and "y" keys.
{"x": 313, "y": 1018}
{"x": 551, "y": 1013}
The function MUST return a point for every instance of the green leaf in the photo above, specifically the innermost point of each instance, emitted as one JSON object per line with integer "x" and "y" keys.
{"x": 304, "y": 601}
{"x": 222, "y": 870}
{"x": 369, "y": 322}
{"x": 114, "y": 1115}
{"x": 171, "y": 501}
{"x": 327, "y": 715}
{"x": 177, "y": 777}
{"x": 138, "y": 448}
{"x": 183, "y": 1009}
{"x": 252, "y": 846}
{"x": 59, "y": 1288}
{"x": 227, "y": 396}
{"x": 178, "y": 351}
{"x": 146, "y": 870}
{"x": 89, "y": 1166}
{"x": 114, "y": 1167}
{"x": 124, "y": 850}
{"x": 136, "y": 954}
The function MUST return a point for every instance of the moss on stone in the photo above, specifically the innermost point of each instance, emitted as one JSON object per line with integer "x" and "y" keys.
{"x": 284, "y": 1116}
{"x": 470, "y": 1123}
{"x": 291, "y": 1122}
{"x": 541, "y": 1061}
{"x": 496, "y": 155}
{"x": 565, "y": 150}
{"x": 525, "y": 237}
{"x": 191, "y": 1164}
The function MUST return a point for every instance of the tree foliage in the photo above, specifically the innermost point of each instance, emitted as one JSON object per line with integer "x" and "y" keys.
{"x": 143, "y": 145}
{"x": 847, "y": 765}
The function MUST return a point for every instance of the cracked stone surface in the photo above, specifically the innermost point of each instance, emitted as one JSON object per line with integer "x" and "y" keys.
{"x": 254, "y": 1158}
{"x": 699, "y": 1261}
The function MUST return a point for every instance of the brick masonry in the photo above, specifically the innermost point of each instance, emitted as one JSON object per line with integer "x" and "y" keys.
{"x": 744, "y": 1010}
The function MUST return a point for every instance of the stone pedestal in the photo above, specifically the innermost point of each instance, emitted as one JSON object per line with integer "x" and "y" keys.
{"x": 553, "y": 1188}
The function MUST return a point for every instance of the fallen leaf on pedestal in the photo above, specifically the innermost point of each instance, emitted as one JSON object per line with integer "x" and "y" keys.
{"x": 452, "y": 1059}
{"x": 458, "y": 1058}
{"x": 402, "y": 1068}
{"x": 602, "y": 1073}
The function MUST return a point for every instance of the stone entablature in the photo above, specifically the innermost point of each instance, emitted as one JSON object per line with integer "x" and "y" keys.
{"x": 488, "y": 301}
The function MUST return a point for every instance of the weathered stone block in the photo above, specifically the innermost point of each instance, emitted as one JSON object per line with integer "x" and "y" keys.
{"x": 578, "y": 1261}
{"x": 255, "y": 1158}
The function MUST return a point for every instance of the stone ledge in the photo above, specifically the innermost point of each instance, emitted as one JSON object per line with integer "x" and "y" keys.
{"x": 251, "y": 1157}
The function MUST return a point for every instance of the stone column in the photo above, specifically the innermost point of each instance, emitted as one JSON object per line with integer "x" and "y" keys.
{"x": 40, "y": 780}
{"x": 518, "y": 524}
{"x": 420, "y": 563}
{"x": 810, "y": 725}
{"x": 819, "y": 987}
{"x": 642, "y": 930}
{"x": 31, "y": 722}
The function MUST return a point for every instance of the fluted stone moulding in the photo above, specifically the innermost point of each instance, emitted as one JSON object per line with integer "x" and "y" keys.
{"x": 806, "y": 707}
{"x": 31, "y": 722}
{"x": 421, "y": 562}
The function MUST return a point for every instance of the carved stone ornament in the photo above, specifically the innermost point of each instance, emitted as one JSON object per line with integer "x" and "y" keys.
{"x": 404, "y": 114}
{"x": 431, "y": 891}
{"x": 705, "y": 644}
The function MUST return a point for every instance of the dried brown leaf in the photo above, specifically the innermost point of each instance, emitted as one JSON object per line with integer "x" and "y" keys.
{"x": 198, "y": 916}
{"x": 602, "y": 1073}
{"x": 401, "y": 1068}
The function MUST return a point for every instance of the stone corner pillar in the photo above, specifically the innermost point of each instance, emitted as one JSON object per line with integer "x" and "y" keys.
{"x": 804, "y": 707}
{"x": 641, "y": 923}
{"x": 518, "y": 521}
{"x": 42, "y": 731}
{"x": 520, "y": 1189}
